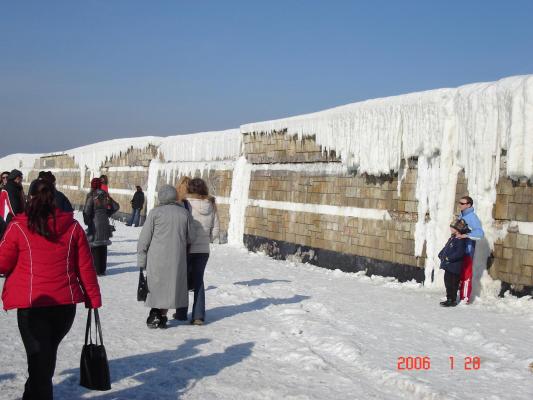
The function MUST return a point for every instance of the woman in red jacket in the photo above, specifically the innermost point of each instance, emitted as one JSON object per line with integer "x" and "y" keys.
{"x": 48, "y": 266}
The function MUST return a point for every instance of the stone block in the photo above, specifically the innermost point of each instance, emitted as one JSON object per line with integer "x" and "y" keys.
{"x": 507, "y": 253}
{"x": 521, "y": 241}
{"x": 501, "y": 208}
{"x": 521, "y": 212}
{"x": 527, "y": 257}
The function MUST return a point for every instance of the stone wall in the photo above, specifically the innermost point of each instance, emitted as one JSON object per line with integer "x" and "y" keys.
{"x": 384, "y": 246}
{"x": 513, "y": 256}
{"x": 360, "y": 243}
{"x": 124, "y": 172}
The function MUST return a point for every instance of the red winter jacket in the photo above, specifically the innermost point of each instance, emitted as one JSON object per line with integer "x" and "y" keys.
{"x": 40, "y": 272}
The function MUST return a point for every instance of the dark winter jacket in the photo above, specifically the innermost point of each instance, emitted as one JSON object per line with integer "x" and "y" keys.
{"x": 138, "y": 200}
{"x": 13, "y": 198}
{"x": 95, "y": 216}
{"x": 42, "y": 273}
{"x": 452, "y": 255}
{"x": 62, "y": 202}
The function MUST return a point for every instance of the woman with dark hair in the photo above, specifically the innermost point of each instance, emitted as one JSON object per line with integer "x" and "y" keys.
{"x": 206, "y": 227}
{"x": 95, "y": 216}
{"x": 48, "y": 266}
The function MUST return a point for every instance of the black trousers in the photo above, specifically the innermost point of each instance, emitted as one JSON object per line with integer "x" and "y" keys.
{"x": 42, "y": 329}
{"x": 451, "y": 281}
{"x": 99, "y": 259}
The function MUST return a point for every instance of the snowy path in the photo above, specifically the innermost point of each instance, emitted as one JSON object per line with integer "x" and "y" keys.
{"x": 283, "y": 330}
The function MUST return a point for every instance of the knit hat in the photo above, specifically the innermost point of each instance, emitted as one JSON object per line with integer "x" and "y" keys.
{"x": 14, "y": 174}
{"x": 167, "y": 194}
{"x": 96, "y": 183}
{"x": 460, "y": 225}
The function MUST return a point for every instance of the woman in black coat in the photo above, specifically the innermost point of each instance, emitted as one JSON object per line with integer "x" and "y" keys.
{"x": 451, "y": 257}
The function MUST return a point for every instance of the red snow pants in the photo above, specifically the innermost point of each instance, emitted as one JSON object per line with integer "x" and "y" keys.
{"x": 465, "y": 287}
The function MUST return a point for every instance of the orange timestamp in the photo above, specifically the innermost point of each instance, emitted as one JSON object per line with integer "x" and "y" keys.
{"x": 423, "y": 363}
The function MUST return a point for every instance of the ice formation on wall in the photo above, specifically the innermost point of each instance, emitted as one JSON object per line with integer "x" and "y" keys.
{"x": 204, "y": 146}
{"x": 92, "y": 156}
{"x": 183, "y": 155}
{"x": 239, "y": 201}
{"x": 20, "y": 161}
{"x": 447, "y": 129}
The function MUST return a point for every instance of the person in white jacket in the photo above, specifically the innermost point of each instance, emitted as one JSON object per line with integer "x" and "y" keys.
{"x": 206, "y": 228}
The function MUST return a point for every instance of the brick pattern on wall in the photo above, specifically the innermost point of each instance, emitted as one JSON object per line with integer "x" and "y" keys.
{"x": 281, "y": 148}
{"x": 513, "y": 256}
{"x": 347, "y": 190}
{"x": 218, "y": 181}
{"x": 391, "y": 240}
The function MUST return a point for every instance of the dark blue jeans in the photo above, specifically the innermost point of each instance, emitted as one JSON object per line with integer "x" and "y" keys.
{"x": 135, "y": 217}
{"x": 197, "y": 263}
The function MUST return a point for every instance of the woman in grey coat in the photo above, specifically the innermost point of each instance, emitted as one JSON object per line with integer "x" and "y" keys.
{"x": 95, "y": 216}
{"x": 162, "y": 252}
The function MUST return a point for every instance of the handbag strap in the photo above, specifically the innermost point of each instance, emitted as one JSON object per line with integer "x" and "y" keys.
{"x": 88, "y": 336}
{"x": 98, "y": 326}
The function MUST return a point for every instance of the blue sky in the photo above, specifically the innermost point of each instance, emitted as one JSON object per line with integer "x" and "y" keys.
{"x": 77, "y": 72}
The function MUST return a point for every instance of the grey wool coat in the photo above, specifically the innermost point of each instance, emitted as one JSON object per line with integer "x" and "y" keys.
{"x": 96, "y": 219}
{"x": 162, "y": 251}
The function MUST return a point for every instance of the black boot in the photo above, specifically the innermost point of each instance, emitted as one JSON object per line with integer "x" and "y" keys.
{"x": 448, "y": 303}
{"x": 163, "y": 322}
{"x": 154, "y": 319}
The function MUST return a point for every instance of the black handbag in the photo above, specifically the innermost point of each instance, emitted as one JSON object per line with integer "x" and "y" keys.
{"x": 142, "y": 288}
{"x": 94, "y": 368}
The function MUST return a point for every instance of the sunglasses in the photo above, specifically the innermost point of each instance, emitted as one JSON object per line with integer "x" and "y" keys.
{"x": 463, "y": 204}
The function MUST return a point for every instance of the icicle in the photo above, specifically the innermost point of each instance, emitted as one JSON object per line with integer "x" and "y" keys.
{"x": 239, "y": 201}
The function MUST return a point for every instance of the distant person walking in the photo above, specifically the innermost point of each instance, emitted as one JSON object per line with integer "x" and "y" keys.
{"x": 206, "y": 228}
{"x": 162, "y": 252}
{"x": 466, "y": 206}
{"x": 46, "y": 258}
{"x": 452, "y": 258}
{"x": 12, "y": 198}
{"x": 137, "y": 203}
{"x": 95, "y": 216}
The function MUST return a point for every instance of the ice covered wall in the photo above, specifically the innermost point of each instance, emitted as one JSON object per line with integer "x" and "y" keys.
{"x": 204, "y": 146}
{"x": 182, "y": 155}
{"x": 92, "y": 156}
{"x": 22, "y": 162}
{"x": 447, "y": 129}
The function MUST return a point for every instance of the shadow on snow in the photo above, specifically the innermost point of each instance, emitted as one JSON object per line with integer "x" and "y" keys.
{"x": 257, "y": 282}
{"x": 218, "y": 313}
{"x": 166, "y": 374}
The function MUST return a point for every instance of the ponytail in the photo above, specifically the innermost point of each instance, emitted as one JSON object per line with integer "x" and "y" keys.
{"x": 40, "y": 207}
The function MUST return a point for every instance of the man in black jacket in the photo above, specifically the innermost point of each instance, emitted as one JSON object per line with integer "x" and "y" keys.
{"x": 137, "y": 204}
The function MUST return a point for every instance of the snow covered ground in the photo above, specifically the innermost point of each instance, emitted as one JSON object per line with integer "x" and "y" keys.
{"x": 285, "y": 330}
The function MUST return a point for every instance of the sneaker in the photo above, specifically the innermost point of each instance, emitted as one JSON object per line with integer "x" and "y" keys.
{"x": 154, "y": 319}
{"x": 163, "y": 323}
{"x": 197, "y": 322}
